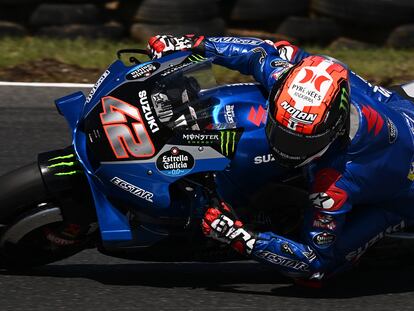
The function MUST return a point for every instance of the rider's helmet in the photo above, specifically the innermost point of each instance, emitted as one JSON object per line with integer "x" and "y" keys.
{"x": 308, "y": 110}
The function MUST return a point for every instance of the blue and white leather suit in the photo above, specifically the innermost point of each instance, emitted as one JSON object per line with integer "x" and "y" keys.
{"x": 357, "y": 193}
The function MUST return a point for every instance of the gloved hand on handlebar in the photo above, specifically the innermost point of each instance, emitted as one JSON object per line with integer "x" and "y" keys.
{"x": 221, "y": 223}
{"x": 162, "y": 45}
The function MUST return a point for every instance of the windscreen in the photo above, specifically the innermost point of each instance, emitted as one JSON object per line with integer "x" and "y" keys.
{"x": 179, "y": 101}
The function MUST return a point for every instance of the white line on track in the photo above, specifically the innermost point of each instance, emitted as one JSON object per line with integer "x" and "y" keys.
{"x": 45, "y": 84}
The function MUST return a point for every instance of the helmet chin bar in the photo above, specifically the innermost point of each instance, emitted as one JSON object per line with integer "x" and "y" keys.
{"x": 318, "y": 155}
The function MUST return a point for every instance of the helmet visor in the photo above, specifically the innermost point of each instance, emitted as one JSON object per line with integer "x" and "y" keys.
{"x": 292, "y": 147}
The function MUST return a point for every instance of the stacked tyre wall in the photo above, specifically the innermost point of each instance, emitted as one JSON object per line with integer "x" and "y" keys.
{"x": 384, "y": 22}
{"x": 59, "y": 18}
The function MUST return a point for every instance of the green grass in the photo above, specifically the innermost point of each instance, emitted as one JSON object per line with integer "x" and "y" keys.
{"x": 85, "y": 53}
{"x": 381, "y": 65}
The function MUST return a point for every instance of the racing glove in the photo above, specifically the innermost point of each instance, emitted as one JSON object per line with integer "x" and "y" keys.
{"x": 162, "y": 45}
{"x": 221, "y": 223}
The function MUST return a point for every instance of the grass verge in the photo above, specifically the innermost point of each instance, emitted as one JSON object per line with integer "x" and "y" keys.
{"x": 379, "y": 65}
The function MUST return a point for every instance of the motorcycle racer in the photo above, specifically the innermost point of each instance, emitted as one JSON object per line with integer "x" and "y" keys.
{"x": 357, "y": 152}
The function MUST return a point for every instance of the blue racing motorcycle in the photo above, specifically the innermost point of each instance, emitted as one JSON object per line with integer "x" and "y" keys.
{"x": 153, "y": 144}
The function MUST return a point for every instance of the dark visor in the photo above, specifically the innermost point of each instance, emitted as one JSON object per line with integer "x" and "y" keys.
{"x": 293, "y": 144}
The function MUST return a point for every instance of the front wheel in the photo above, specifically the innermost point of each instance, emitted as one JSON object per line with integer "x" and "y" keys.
{"x": 34, "y": 227}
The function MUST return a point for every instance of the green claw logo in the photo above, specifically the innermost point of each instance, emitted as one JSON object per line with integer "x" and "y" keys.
{"x": 228, "y": 142}
{"x": 344, "y": 100}
{"x": 196, "y": 58}
{"x": 63, "y": 164}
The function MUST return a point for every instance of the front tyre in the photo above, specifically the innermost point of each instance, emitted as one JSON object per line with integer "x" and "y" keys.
{"x": 35, "y": 229}
{"x": 38, "y": 238}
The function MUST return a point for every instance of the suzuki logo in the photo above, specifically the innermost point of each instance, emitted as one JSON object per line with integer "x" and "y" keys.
{"x": 258, "y": 117}
{"x": 373, "y": 119}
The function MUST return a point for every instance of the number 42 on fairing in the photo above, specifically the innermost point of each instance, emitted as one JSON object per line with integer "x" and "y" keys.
{"x": 124, "y": 141}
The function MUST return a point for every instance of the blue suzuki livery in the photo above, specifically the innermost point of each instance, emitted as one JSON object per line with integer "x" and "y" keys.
{"x": 152, "y": 144}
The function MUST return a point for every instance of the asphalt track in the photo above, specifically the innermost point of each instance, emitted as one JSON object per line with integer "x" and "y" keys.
{"x": 90, "y": 281}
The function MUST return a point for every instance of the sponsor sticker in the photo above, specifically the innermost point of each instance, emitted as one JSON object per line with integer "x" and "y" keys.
{"x": 374, "y": 118}
{"x": 277, "y": 63}
{"x": 324, "y": 239}
{"x": 262, "y": 52}
{"x": 285, "y": 248}
{"x": 309, "y": 254}
{"x": 317, "y": 276}
{"x": 287, "y": 52}
{"x": 229, "y": 114}
{"x": 324, "y": 221}
{"x": 410, "y": 175}
{"x": 143, "y": 71}
{"x": 266, "y": 158}
{"x": 247, "y": 41}
{"x": 175, "y": 162}
{"x": 281, "y": 67}
{"x": 356, "y": 254}
{"x": 321, "y": 200}
{"x": 228, "y": 142}
{"x": 298, "y": 116}
{"x": 192, "y": 59}
{"x": 257, "y": 117}
{"x": 196, "y": 138}
{"x": 128, "y": 140}
{"x": 175, "y": 68}
{"x": 224, "y": 141}
{"x": 52, "y": 237}
{"x": 146, "y": 109}
{"x": 283, "y": 261}
{"x": 241, "y": 84}
{"x": 195, "y": 58}
{"x": 311, "y": 85}
{"x": 278, "y": 73}
{"x": 97, "y": 85}
{"x": 392, "y": 131}
{"x": 137, "y": 191}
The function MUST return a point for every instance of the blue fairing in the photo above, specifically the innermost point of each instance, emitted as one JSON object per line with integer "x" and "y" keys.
{"x": 114, "y": 225}
{"x": 253, "y": 157}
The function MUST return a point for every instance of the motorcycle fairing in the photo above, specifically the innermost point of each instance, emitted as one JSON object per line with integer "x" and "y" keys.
{"x": 244, "y": 175}
{"x": 118, "y": 75}
{"x": 70, "y": 107}
{"x": 113, "y": 224}
{"x": 142, "y": 183}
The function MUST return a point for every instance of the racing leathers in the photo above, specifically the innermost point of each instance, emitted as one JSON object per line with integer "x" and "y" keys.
{"x": 358, "y": 191}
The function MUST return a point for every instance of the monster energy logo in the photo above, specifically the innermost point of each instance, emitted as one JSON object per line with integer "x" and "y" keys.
{"x": 192, "y": 58}
{"x": 227, "y": 142}
{"x": 201, "y": 138}
{"x": 196, "y": 58}
{"x": 344, "y": 99}
{"x": 69, "y": 156}
{"x": 63, "y": 164}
